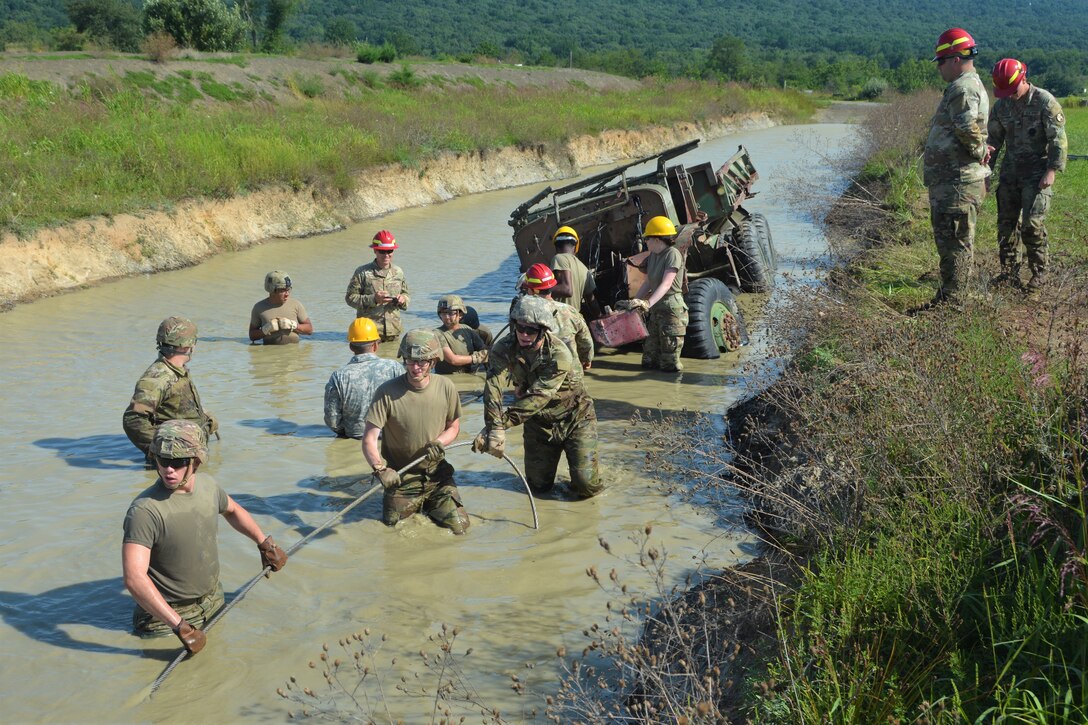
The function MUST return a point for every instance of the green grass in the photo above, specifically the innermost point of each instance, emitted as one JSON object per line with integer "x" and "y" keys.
{"x": 114, "y": 147}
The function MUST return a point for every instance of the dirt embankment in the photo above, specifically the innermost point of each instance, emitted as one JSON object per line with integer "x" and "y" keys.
{"x": 100, "y": 248}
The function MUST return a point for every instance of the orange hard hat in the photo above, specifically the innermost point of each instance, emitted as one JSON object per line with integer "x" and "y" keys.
{"x": 384, "y": 241}
{"x": 955, "y": 42}
{"x": 539, "y": 277}
{"x": 1007, "y": 75}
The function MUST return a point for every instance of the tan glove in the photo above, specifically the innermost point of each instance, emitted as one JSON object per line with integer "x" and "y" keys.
{"x": 271, "y": 554}
{"x": 479, "y": 357}
{"x": 271, "y": 326}
{"x": 192, "y": 638}
{"x": 390, "y": 479}
{"x": 490, "y": 440}
{"x": 635, "y": 304}
{"x": 434, "y": 453}
{"x": 288, "y": 325}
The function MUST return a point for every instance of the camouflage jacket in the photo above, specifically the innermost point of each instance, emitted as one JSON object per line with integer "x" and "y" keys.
{"x": 957, "y": 136}
{"x": 350, "y": 390}
{"x": 165, "y": 392}
{"x": 573, "y": 330}
{"x": 367, "y": 281}
{"x": 1032, "y": 130}
{"x": 547, "y": 382}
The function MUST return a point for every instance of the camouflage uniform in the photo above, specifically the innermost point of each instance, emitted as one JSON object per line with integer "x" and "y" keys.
{"x": 431, "y": 493}
{"x": 350, "y": 390}
{"x": 667, "y": 322}
{"x": 555, "y": 407}
{"x": 164, "y": 392}
{"x": 365, "y": 283}
{"x": 1032, "y": 129}
{"x": 955, "y": 176}
{"x": 572, "y": 329}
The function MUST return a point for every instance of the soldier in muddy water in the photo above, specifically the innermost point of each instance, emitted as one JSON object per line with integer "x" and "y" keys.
{"x": 462, "y": 347}
{"x": 166, "y": 390}
{"x": 378, "y": 290}
{"x": 955, "y": 162}
{"x": 351, "y": 389}
{"x": 570, "y": 327}
{"x": 1029, "y": 123}
{"x": 662, "y": 297}
{"x": 278, "y": 319}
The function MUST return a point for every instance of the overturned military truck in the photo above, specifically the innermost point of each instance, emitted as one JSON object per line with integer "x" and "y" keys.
{"x": 727, "y": 249}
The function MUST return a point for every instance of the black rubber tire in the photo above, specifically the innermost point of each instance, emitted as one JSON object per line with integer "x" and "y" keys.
{"x": 715, "y": 323}
{"x": 766, "y": 242}
{"x": 755, "y": 275}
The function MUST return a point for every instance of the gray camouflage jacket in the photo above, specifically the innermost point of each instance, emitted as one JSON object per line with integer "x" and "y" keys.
{"x": 350, "y": 391}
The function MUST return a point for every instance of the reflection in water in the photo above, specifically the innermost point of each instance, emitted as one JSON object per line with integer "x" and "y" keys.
{"x": 69, "y": 474}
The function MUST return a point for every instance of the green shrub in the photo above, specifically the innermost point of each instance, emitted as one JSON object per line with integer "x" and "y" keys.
{"x": 405, "y": 78}
{"x": 367, "y": 53}
{"x": 387, "y": 53}
{"x": 307, "y": 85}
{"x": 206, "y": 25}
{"x": 874, "y": 88}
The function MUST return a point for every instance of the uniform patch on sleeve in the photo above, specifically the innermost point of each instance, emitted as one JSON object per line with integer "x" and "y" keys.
{"x": 1060, "y": 118}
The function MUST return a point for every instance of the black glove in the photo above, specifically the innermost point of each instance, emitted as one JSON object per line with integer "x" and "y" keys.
{"x": 272, "y": 555}
{"x": 390, "y": 479}
{"x": 193, "y": 639}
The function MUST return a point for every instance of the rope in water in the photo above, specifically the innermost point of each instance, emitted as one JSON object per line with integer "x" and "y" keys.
{"x": 302, "y": 542}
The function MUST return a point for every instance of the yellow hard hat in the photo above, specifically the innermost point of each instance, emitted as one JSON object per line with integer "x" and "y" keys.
{"x": 362, "y": 329}
{"x": 660, "y": 226}
{"x": 566, "y": 235}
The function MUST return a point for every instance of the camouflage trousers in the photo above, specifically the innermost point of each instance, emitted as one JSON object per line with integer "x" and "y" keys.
{"x": 1021, "y": 211}
{"x": 574, "y": 434}
{"x": 953, "y": 211}
{"x": 666, "y": 324}
{"x": 433, "y": 494}
{"x": 196, "y": 613}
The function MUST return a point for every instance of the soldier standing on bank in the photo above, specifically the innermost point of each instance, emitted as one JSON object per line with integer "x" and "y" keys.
{"x": 378, "y": 290}
{"x": 170, "y": 556}
{"x": 955, "y": 162}
{"x": 462, "y": 347}
{"x": 416, "y": 414}
{"x": 1028, "y": 121}
{"x": 166, "y": 391}
{"x": 351, "y": 389}
{"x": 662, "y": 295}
{"x": 574, "y": 283}
{"x": 278, "y": 319}
{"x": 551, "y": 401}
{"x": 570, "y": 327}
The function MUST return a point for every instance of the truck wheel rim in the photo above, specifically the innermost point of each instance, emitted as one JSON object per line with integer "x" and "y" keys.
{"x": 723, "y": 327}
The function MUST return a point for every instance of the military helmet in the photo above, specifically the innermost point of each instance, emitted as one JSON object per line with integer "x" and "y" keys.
{"x": 420, "y": 344}
{"x": 452, "y": 302}
{"x": 176, "y": 332}
{"x": 361, "y": 330}
{"x": 276, "y": 280}
{"x": 535, "y": 311}
{"x": 179, "y": 439}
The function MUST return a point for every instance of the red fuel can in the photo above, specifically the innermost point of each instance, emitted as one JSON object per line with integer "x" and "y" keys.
{"x": 620, "y": 328}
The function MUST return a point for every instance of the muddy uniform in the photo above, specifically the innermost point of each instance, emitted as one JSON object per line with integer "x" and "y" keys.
{"x": 163, "y": 393}
{"x": 955, "y": 176}
{"x": 1032, "y": 130}
{"x": 574, "y": 332}
{"x": 266, "y": 311}
{"x": 351, "y": 389}
{"x": 582, "y": 284}
{"x": 462, "y": 341}
{"x": 180, "y": 530}
{"x": 367, "y": 281}
{"x": 667, "y": 322}
{"x": 410, "y": 419}
{"x": 554, "y": 406}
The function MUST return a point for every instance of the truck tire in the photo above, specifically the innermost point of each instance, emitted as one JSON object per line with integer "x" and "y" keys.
{"x": 755, "y": 274}
{"x": 715, "y": 324}
{"x": 767, "y": 242}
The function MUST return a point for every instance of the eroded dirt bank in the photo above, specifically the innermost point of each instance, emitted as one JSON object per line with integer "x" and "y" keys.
{"x": 101, "y": 248}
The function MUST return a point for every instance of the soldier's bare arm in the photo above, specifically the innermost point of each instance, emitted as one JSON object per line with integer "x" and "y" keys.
{"x": 242, "y": 522}
{"x": 135, "y": 560}
{"x": 563, "y": 286}
{"x": 371, "y": 451}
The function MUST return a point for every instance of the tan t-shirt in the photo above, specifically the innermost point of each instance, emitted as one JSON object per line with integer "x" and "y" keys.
{"x": 582, "y": 284}
{"x": 462, "y": 341}
{"x": 410, "y": 418}
{"x": 659, "y": 263}
{"x": 180, "y": 529}
{"x": 264, "y": 312}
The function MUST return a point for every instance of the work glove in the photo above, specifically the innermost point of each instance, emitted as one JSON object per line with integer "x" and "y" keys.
{"x": 635, "y": 304}
{"x": 479, "y": 357}
{"x": 191, "y": 637}
{"x": 287, "y": 325}
{"x": 271, "y": 326}
{"x": 271, "y": 554}
{"x": 390, "y": 479}
{"x": 490, "y": 440}
{"x": 434, "y": 453}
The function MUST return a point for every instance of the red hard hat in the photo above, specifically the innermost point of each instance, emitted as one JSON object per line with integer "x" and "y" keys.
{"x": 384, "y": 241}
{"x": 1007, "y": 76}
{"x": 539, "y": 277}
{"x": 953, "y": 42}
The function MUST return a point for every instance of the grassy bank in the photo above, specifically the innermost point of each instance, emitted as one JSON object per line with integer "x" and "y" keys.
{"x": 125, "y": 144}
{"x": 940, "y": 532}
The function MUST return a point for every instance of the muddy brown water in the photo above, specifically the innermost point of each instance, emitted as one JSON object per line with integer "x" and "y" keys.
{"x": 67, "y": 367}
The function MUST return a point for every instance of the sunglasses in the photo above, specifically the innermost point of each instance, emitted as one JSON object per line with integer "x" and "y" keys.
{"x": 526, "y": 329}
{"x": 383, "y": 252}
{"x": 174, "y": 463}
{"x": 940, "y": 61}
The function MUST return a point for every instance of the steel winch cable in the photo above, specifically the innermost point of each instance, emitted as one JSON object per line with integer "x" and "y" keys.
{"x": 304, "y": 540}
